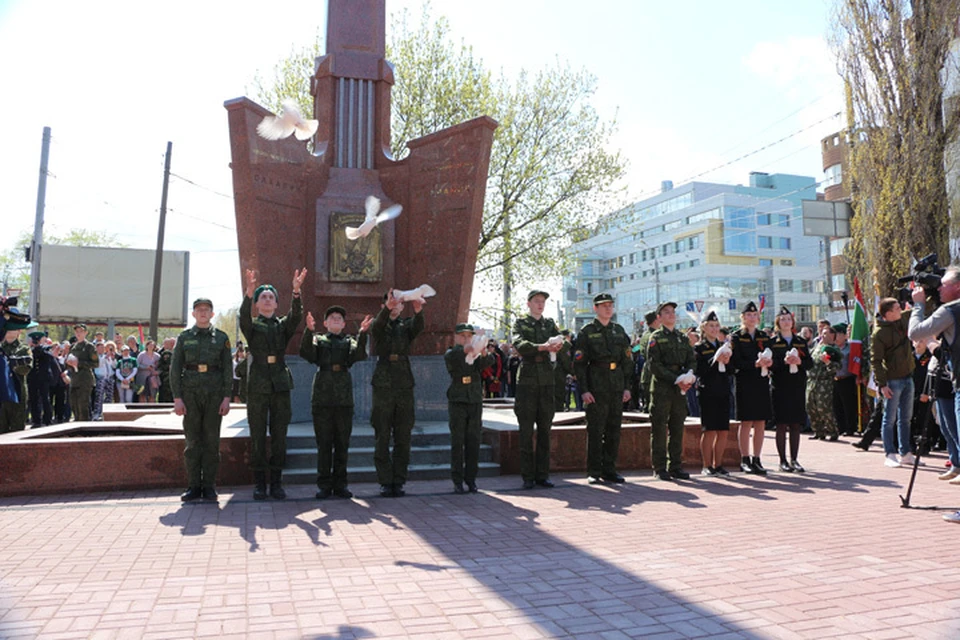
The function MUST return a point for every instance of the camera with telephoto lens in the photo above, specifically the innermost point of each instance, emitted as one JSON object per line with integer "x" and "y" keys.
{"x": 927, "y": 273}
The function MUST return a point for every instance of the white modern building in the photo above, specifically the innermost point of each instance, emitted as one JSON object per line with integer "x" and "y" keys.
{"x": 704, "y": 246}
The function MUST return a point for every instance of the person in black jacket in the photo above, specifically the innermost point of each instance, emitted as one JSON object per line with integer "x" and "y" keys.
{"x": 791, "y": 360}
{"x": 714, "y": 395}
{"x": 753, "y": 386}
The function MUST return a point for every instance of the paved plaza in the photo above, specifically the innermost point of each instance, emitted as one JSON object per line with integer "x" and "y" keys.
{"x": 825, "y": 554}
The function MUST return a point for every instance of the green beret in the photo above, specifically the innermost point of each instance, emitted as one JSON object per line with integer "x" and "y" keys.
{"x": 664, "y": 305}
{"x": 840, "y": 328}
{"x": 80, "y": 325}
{"x": 205, "y": 301}
{"x": 537, "y": 292}
{"x": 262, "y": 288}
{"x": 335, "y": 309}
{"x": 600, "y": 298}
{"x": 464, "y": 327}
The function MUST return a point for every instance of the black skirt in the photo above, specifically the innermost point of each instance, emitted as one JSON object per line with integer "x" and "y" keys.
{"x": 753, "y": 397}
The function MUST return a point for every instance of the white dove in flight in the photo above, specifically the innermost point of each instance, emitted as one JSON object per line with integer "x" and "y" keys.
{"x": 421, "y": 292}
{"x": 373, "y": 218}
{"x": 289, "y": 121}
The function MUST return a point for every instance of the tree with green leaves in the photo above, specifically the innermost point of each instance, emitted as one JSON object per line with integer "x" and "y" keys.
{"x": 550, "y": 170}
{"x": 891, "y": 54}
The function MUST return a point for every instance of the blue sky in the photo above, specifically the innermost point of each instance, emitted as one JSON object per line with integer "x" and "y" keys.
{"x": 694, "y": 85}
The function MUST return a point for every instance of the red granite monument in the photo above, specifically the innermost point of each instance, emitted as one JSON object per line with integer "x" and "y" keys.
{"x": 292, "y": 205}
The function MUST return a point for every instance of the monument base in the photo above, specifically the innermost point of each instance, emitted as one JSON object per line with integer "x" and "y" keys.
{"x": 430, "y": 394}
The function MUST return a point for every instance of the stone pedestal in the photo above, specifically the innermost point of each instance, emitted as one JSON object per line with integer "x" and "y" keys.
{"x": 430, "y": 394}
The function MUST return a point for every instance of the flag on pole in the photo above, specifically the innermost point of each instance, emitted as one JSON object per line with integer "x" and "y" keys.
{"x": 858, "y": 333}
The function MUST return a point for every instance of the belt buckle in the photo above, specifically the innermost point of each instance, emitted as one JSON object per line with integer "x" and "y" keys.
{"x": 613, "y": 366}
{"x": 394, "y": 357}
{"x": 202, "y": 368}
{"x": 335, "y": 367}
{"x": 466, "y": 379}
{"x": 271, "y": 359}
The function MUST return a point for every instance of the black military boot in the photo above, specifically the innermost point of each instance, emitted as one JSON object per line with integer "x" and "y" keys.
{"x": 276, "y": 486}
{"x": 259, "y": 485}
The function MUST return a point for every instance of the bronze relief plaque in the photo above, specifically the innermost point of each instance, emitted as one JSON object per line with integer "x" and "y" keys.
{"x": 358, "y": 260}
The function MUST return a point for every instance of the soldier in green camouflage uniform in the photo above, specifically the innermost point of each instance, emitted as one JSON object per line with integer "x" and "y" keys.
{"x": 646, "y": 376}
{"x": 393, "y": 412}
{"x": 331, "y": 400}
{"x": 827, "y": 360}
{"x": 269, "y": 380}
{"x": 604, "y": 365}
{"x": 200, "y": 379}
{"x": 82, "y": 380}
{"x": 535, "y": 403}
{"x": 465, "y": 404}
{"x": 19, "y": 357}
{"x": 669, "y": 355}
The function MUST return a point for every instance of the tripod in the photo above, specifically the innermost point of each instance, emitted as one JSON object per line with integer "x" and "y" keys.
{"x": 921, "y": 442}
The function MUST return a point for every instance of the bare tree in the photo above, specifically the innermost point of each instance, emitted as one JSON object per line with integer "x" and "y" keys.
{"x": 890, "y": 54}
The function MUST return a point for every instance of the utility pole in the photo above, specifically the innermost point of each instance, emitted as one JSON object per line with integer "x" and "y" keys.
{"x": 34, "y": 257}
{"x": 158, "y": 262}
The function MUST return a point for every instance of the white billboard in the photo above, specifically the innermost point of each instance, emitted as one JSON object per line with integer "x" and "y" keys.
{"x": 97, "y": 284}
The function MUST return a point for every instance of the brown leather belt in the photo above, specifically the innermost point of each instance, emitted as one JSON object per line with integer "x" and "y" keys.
{"x": 202, "y": 368}
{"x": 271, "y": 359}
{"x": 333, "y": 367}
{"x": 393, "y": 357}
{"x": 535, "y": 359}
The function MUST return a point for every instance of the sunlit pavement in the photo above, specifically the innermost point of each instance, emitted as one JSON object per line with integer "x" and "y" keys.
{"x": 829, "y": 553}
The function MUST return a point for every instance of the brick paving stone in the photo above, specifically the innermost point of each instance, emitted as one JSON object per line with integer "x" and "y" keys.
{"x": 827, "y": 554}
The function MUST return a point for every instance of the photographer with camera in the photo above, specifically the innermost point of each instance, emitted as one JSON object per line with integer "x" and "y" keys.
{"x": 943, "y": 323}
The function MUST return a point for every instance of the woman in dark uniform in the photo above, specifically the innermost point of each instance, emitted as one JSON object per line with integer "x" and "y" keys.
{"x": 789, "y": 382}
{"x": 713, "y": 393}
{"x": 753, "y": 388}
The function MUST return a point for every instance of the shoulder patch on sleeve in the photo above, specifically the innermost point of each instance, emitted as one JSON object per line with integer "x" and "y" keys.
{"x": 578, "y": 355}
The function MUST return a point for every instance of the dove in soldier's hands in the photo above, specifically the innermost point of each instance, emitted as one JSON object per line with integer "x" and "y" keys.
{"x": 478, "y": 344}
{"x": 418, "y": 294}
{"x": 374, "y": 217}
{"x": 288, "y": 122}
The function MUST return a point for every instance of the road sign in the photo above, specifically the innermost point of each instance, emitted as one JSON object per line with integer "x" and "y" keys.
{"x": 699, "y": 305}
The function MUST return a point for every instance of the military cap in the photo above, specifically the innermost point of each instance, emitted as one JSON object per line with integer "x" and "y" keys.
{"x": 80, "y": 325}
{"x": 600, "y": 298}
{"x": 464, "y": 327}
{"x": 840, "y": 327}
{"x": 262, "y": 288}
{"x": 537, "y": 292}
{"x": 335, "y": 309}
{"x": 37, "y": 335}
{"x": 835, "y": 354}
{"x": 712, "y": 317}
{"x": 200, "y": 301}
{"x": 565, "y": 332}
{"x": 663, "y": 305}
{"x": 650, "y": 317}
{"x": 784, "y": 311}
{"x": 750, "y": 307}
